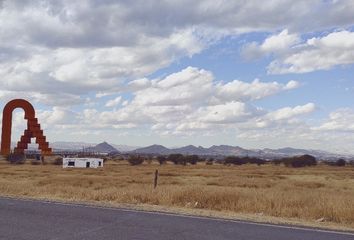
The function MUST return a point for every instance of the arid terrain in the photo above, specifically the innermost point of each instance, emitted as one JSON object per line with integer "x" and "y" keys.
{"x": 317, "y": 196}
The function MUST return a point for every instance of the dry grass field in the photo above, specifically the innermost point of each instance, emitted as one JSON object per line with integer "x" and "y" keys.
{"x": 265, "y": 192}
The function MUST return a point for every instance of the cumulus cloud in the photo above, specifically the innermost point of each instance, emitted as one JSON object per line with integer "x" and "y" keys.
{"x": 294, "y": 56}
{"x": 185, "y": 87}
{"x": 275, "y": 44}
{"x": 243, "y": 91}
{"x": 187, "y": 102}
{"x": 287, "y": 113}
{"x": 79, "y": 47}
{"x": 191, "y": 100}
{"x": 340, "y": 120}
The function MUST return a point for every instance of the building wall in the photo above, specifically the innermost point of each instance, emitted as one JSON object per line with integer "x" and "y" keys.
{"x": 81, "y": 162}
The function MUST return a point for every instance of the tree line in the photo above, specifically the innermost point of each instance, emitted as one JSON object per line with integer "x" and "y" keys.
{"x": 295, "y": 161}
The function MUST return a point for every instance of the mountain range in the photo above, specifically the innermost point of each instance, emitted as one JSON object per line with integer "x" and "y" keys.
{"x": 215, "y": 150}
{"x": 226, "y": 150}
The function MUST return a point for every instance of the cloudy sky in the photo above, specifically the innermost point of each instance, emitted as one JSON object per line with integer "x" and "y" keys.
{"x": 245, "y": 72}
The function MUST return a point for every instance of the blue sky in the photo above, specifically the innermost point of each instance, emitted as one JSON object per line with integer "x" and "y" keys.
{"x": 249, "y": 73}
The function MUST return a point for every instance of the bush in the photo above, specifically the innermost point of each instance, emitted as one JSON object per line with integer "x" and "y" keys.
{"x": 210, "y": 161}
{"x": 16, "y": 158}
{"x": 135, "y": 160}
{"x": 243, "y": 160}
{"x": 340, "y": 163}
{"x": 161, "y": 159}
{"x": 192, "y": 159}
{"x": 177, "y": 159}
{"x": 301, "y": 161}
{"x": 234, "y": 160}
{"x": 253, "y": 160}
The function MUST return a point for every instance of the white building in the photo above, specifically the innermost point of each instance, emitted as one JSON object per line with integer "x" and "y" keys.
{"x": 82, "y": 162}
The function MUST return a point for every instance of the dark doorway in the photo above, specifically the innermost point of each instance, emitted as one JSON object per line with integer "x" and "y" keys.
{"x": 87, "y": 164}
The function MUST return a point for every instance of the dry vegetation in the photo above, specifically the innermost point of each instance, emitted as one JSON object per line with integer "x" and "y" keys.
{"x": 305, "y": 194}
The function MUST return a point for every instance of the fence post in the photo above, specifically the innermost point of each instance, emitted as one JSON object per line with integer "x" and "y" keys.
{"x": 156, "y": 177}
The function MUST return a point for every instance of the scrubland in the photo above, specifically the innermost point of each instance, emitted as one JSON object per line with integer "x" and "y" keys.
{"x": 319, "y": 195}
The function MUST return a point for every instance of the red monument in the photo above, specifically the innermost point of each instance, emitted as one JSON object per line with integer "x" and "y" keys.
{"x": 33, "y": 129}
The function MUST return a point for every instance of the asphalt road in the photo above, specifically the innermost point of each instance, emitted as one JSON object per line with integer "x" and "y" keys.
{"x": 27, "y": 219}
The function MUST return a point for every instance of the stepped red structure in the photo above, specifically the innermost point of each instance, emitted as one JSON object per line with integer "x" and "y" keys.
{"x": 33, "y": 129}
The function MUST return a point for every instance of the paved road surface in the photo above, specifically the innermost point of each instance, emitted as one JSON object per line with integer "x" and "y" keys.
{"x": 26, "y": 219}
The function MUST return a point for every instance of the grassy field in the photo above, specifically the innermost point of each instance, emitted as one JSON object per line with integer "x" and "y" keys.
{"x": 265, "y": 193}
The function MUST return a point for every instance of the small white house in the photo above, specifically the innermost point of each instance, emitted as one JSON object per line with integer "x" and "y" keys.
{"x": 82, "y": 162}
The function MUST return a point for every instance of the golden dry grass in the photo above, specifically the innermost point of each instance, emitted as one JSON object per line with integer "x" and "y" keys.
{"x": 304, "y": 194}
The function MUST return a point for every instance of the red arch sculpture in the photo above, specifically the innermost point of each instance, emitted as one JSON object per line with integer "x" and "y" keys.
{"x": 33, "y": 129}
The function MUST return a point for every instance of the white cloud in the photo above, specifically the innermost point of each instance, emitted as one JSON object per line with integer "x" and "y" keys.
{"x": 191, "y": 100}
{"x": 188, "y": 86}
{"x": 114, "y": 102}
{"x": 58, "y": 116}
{"x": 79, "y": 47}
{"x": 339, "y": 120}
{"x": 320, "y": 53}
{"x": 229, "y": 112}
{"x": 276, "y": 44}
{"x": 243, "y": 91}
{"x": 287, "y": 112}
{"x": 184, "y": 103}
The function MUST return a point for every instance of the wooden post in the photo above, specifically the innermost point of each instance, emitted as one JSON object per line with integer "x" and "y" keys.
{"x": 156, "y": 177}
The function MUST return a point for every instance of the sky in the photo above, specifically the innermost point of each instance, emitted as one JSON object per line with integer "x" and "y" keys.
{"x": 251, "y": 73}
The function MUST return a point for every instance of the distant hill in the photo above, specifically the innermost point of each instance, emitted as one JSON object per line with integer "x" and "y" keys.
{"x": 190, "y": 150}
{"x": 226, "y": 150}
{"x": 102, "y": 148}
{"x": 215, "y": 150}
{"x": 153, "y": 149}
{"x": 229, "y": 150}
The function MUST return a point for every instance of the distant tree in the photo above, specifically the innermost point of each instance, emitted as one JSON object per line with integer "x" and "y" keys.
{"x": 300, "y": 161}
{"x": 234, "y": 160}
{"x": 192, "y": 159}
{"x": 243, "y": 160}
{"x": 177, "y": 159}
{"x": 340, "y": 163}
{"x": 135, "y": 160}
{"x": 161, "y": 159}
{"x": 209, "y": 161}
{"x": 254, "y": 160}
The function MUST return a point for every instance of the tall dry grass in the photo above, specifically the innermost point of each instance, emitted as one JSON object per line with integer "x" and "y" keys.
{"x": 308, "y": 193}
